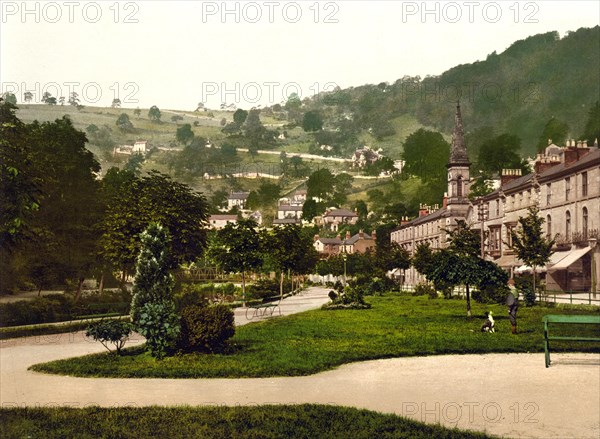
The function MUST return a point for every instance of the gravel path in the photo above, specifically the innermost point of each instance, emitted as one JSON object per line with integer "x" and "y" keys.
{"x": 510, "y": 395}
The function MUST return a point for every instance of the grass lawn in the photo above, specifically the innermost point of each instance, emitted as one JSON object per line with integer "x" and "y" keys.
{"x": 310, "y": 342}
{"x": 287, "y": 421}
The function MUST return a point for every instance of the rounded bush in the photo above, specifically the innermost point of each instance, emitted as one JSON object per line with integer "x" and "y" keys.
{"x": 206, "y": 328}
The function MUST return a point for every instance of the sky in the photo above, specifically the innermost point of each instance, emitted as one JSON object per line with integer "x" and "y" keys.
{"x": 175, "y": 54}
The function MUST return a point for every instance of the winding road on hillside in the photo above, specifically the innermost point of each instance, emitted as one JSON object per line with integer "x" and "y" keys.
{"x": 510, "y": 395}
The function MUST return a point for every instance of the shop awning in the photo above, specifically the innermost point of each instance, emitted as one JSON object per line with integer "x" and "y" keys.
{"x": 508, "y": 261}
{"x": 573, "y": 256}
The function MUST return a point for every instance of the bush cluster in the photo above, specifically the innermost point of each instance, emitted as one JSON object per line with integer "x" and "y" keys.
{"x": 266, "y": 288}
{"x": 200, "y": 294}
{"x": 46, "y": 309}
{"x": 491, "y": 295}
{"x": 352, "y": 297}
{"x": 206, "y": 328}
{"x": 425, "y": 289}
{"x": 113, "y": 332}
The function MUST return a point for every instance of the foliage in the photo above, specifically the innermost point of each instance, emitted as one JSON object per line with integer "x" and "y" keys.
{"x": 591, "y": 131}
{"x": 184, "y": 134}
{"x": 206, "y": 329}
{"x": 426, "y": 154}
{"x": 312, "y": 121}
{"x": 154, "y": 114}
{"x": 236, "y": 248}
{"x": 9, "y": 98}
{"x": 501, "y": 152}
{"x": 159, "y": 324}
{"x": 423, "y": 259}
{"x": 425, "y": 289}
{"x": 529, "y": 242}
{"x": 153, "y": 198}
{"x": 152, "y": 307}
{"x": 352, "y": 297}
{"x": 124, "y": 123}
{"x": 556, "y": 131}
{"x": 110, "y": 332}
{"x": 524, "y": 285}
{"x": 45, "y": 309}
{"x": 267, "y": 289}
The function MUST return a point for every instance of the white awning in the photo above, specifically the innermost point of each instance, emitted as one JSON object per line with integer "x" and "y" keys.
{"x": 528, "y": 269}
{"x": 573, "y": 256}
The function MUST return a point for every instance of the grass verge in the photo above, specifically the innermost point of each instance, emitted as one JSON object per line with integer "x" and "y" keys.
{"x": 310, "y": 342}
{"x": 288, "y": 421}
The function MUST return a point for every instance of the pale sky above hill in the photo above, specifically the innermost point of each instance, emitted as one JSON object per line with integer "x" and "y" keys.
{"x": 176, "y": 53}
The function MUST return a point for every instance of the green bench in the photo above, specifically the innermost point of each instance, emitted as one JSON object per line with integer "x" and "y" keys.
{"x": 566, "y": 319}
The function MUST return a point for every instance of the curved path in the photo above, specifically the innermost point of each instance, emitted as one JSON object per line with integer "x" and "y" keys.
{"x": 510, "y": 395}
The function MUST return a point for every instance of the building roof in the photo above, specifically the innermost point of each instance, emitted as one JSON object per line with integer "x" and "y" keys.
{"x": 286, "y": 221}
{"x": 340, "y": 212}
{"x": 330, "y": 241}
{"x": 590, "y": 158}
{"x": 357, "y": 237}
{"x": 238, "y": 195}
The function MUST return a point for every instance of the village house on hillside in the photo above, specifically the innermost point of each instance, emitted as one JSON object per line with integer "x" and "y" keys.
{"x": 565, "y": 187}
{"x": 334, "y": 217}
{"x": 365, "y": 156}
{"x": 237, "y": 199}
{"x": 220, "y": 221}
{"x": 359, "y": 243}
{"x": 289, "y": 211}
{"x": 139, "y": 147}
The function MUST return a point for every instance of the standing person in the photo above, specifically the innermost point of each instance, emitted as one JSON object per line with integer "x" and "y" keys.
{"x": 512, "y": 302}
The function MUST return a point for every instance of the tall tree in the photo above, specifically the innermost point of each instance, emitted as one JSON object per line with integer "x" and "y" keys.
{"x": 154, "y": 114}
{"x": 426, "y": 154}
{"x": 312, "y": 121}
{"x": 184, "y": 134}
{"x": 236, "y": 248}
{"x": 124, "y": 123}
{"x": 501, "y": 152}
{"x": 529, "y": 242}
{"x": 152, "y": 307}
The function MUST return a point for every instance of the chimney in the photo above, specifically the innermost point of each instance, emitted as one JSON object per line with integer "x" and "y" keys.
{"x": 445, "y": 200}
{"x": 338, "y": 237}
{"x": 316, "y": 238}
{"x": 509, "y": 175}
{"x": 575, "y": 152}
{"x": 374, "y": 235}
{"x": 423, "y": 210}
{"x": 361, "y": 234}
{"x": 404, "y": 220}
{"x": 544, "y": 163}
{"x": 348, "y": 234}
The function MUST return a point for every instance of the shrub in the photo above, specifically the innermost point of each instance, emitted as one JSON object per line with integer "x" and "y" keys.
{"x": 424, "y": 289}
{"x": 206, "y": 328}
{"x": 46, "y": 309}
{"x": 491, "y": 295}
{"x": 332, "y": 295}
{"x": 266, "y": 288}
{"x": 159, "y": 323}
{"x": 191, "y": 294}
{"x": 351, "y": 298}
{"x": 524, "y": 285}
{"x": 110, "y": 332}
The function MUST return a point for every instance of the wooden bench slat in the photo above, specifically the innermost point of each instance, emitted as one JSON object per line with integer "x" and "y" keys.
{"x": 566, "y": 319}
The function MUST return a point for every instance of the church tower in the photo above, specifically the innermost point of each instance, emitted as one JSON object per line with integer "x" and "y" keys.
{"x": 458, "y": 169}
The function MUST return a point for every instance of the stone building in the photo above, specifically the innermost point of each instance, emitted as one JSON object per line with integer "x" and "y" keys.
{"x": 565, "y": 187}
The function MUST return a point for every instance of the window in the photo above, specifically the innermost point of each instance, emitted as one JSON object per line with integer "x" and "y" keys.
{"x": 585, "y": 223}
{"x": 568, "y": 226}
{"x": 584, "y": 184}
{"x": 497, "y": 208}
{"x": 509, "y": 232}
{"x": 567, "y": 188}
{"x": 549, "y": 225}
{"x": 548, "y": 194}
{"x": 459, "y": 186}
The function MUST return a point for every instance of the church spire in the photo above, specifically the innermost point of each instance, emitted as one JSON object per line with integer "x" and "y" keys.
{"x": 458, "y": 152}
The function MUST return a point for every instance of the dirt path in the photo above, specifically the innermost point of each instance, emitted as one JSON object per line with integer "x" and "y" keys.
{"x": 510, "y": 395}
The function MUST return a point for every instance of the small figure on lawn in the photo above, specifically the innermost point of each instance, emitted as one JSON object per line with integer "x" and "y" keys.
{"x": 512, "y": 302}
{"x": 488, "y": 325}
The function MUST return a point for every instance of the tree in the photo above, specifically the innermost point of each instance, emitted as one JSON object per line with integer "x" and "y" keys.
{"x": 390, "y": 257}
{"x": 137, "y": 112}
{"x": 423, "y": 260}
{"x": 61, "y": 101}
{"x": 10, "y": 98}
{"x": 152, "y": 307}
{"x": 236, "y": 248}
{"x": 312, "y": 121}
{"x": 426, "y": 154}
{"x": 501, "y": 152}
{"x": 529, "y": 243}
{"x": 176, "y": 118}
{"x": 310, "y": 209}
{"x": 154, "y": 114}
{"x": 184, "y": 134}
{"x": 116, "y": 103}
{"x": 27, "y": 96}
{"x": 74, "y": 99}
{"x": 92, "y": 129}
{"x": 240, "y": 116}
{"x": 555, "y": 130}
{"x": 46, "y": 96}
{"x": 154, "y": 198}
{"x": 134, "y": 164}
{"x": 288, "y": 249}
{"x": 361, "y": 209}
{"x": 124, "y": 123}
{"x": 320, "y": 184}
{"x": 591, "y": 131}
{"x": 110, "y": 332}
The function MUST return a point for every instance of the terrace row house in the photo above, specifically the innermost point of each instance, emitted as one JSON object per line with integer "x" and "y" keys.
{"x": 565, "y": 187}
